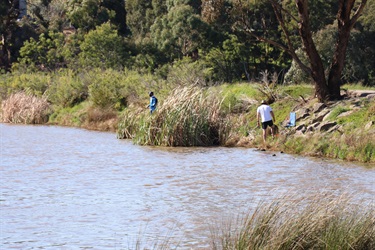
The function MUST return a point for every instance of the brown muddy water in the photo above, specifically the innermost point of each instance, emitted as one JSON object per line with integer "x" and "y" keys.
{"x": 67, "y": 188}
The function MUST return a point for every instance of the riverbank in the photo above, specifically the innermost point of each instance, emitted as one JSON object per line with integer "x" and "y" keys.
{"x": 223, "y": 115}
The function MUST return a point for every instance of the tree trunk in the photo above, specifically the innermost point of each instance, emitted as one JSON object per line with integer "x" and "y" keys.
{"x": 337, "y": 65}
{"x": 345, "y": 25}
{"x": 317, "y": 68}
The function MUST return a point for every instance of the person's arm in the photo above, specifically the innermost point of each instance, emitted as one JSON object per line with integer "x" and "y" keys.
{"x": 273, "y": 116}
{"x": 258, "y": 116}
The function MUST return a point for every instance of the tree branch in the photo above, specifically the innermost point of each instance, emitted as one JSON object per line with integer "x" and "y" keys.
{"x": 358, "y": 13}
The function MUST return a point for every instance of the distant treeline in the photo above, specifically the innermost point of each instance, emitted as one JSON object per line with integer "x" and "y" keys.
{"x": 148, "y": 36}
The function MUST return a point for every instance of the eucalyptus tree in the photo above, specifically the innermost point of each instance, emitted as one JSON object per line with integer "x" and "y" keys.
{"x": 180, "y": 32}
{"x": 348, "y": 12}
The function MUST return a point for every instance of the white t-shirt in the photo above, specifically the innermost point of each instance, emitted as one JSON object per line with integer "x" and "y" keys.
{"x": 265, "y": 112}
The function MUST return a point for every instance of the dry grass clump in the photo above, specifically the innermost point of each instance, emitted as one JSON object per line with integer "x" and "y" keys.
{"x": 323, "y": 222}
{"x": 24, "y": 108}
{"x": 189, "y": 117}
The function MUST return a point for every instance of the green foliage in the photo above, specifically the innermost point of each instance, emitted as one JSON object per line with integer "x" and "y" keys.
{"x": 106, "y": 90}
{"x": 103, "y": 48}
{"x": 140, "y": 17}
{"x": 230, "y": 61}
{"x": 46, "y": 53}
{"x": 186, "y": 72}
{"x": 87, "y": 14}
{"x": 34, "y": 83}
{"x": 237, "y": 97}
{"x": 67, "y": 89}
{"x": 367, "y": 19}
{"x": 359, "y": 58}
{"x": 179, "y": 32}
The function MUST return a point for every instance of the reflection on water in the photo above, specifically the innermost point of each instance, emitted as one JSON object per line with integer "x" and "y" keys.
{"x": 68, "y": 188}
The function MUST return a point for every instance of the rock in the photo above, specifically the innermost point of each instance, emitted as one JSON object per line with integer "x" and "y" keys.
{"x": 319, "y": 117}
{"x": 318, "y": 107}
{"x": 334, "y": 128}
{"x": 301, "y": 127}
{"x": 371, "y": 96}
{"x": 362, "y": 93}
{"x": 326, "y": 126}
{"x": 325, "y": 118}
{"x": 346, "y": 113}
{"x": 302, "y": 114}
{"x": 312, "y": 127}
{"x": 369, "y": 125}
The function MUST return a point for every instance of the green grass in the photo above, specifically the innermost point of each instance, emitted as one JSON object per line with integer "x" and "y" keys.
{"x": 296, "y": 91}
{"x": 356, "y": 86}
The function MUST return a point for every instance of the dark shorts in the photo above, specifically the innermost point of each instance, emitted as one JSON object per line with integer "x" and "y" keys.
{"x": 266, "y": 124}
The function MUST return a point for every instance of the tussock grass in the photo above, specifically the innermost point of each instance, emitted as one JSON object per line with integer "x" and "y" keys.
{"x": 321, "y": 222}
{"x": 188, "y": 117}
{"x": 25, "y": 108}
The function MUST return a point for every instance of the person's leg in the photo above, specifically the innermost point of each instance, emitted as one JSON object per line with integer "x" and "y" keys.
{"x": 272, "y": 131}
{"x": 264, "y": 135}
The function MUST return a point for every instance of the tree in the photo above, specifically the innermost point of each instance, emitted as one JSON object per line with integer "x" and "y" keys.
{"x": 8, "y": 24}
{"x": 103, "y": 48}
{"x": 46, "y": 53}
{"x": 326, "y": 88}
{"x": 180, "y": 32}
{"x": 139, "y": 17}
{"x": 87, "y": 14}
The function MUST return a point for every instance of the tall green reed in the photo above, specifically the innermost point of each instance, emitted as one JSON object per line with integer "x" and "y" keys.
{"x": 188, "y": 117}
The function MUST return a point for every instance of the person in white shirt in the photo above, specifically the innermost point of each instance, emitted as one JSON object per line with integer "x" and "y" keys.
{"x": 268, "y": 118}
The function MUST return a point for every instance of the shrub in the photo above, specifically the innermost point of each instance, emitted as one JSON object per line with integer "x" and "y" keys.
{"x": 25, "y": 108}
{"x": 67, "y": 89}
{"x": 106, "y": 89}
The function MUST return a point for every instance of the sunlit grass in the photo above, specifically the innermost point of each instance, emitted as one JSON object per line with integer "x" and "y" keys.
{"x": 321, "y": 222}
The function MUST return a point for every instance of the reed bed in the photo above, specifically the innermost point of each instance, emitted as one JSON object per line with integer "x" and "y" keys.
{"x": 188, "y": 117}
{"x": 323, "y": 222}
{"x": 25, "y": 108}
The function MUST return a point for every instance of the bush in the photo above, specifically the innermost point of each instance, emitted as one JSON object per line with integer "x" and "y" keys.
{"x": 67, "y": 89}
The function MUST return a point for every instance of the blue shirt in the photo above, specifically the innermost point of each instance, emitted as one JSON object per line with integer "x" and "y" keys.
{"x": 152, "y": 103}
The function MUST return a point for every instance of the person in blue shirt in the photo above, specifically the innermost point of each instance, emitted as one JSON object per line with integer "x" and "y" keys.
{"x": 153, "y": 102}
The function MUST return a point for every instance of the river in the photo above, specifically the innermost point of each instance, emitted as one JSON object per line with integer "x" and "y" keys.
{"x": 69, "y": 188}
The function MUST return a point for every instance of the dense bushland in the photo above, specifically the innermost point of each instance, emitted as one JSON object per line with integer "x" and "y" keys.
{"x": 231, "y": 38}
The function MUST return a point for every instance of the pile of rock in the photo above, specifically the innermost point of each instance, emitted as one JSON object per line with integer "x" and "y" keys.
{"x": 315, "y": 117}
